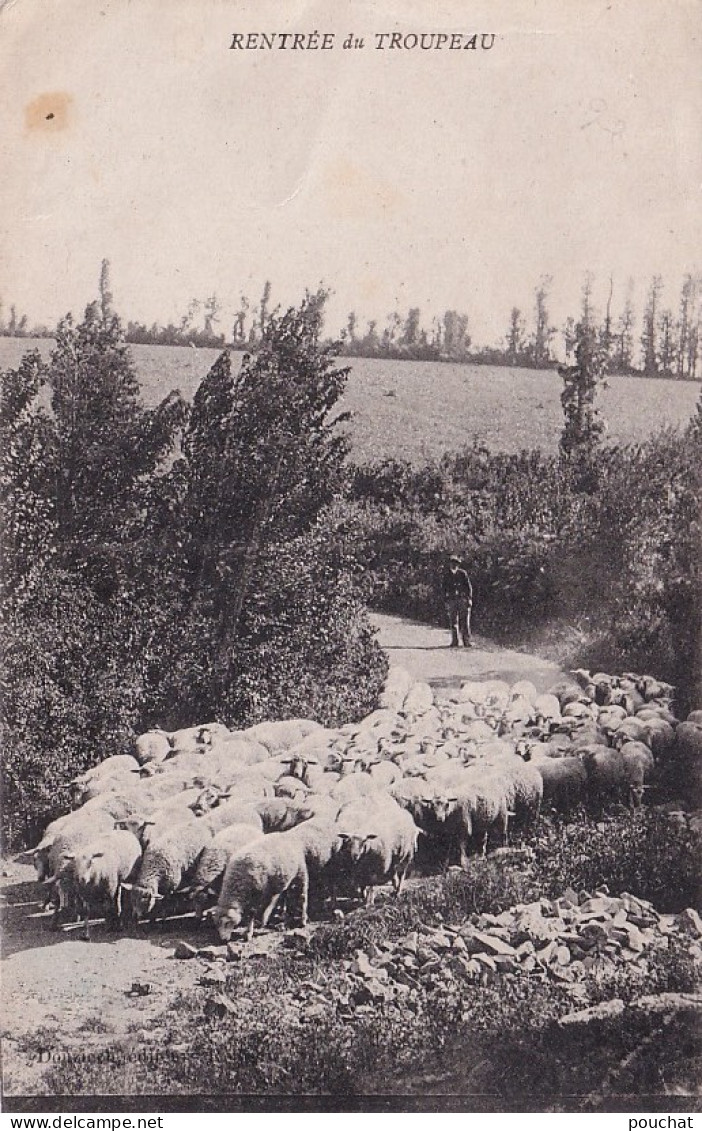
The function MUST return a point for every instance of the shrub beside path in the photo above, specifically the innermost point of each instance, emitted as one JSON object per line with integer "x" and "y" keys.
{"x": 424, "y": 651}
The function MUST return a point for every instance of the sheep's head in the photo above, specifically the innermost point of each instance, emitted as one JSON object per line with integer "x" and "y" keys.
{"x": 442, "y": 807}
{"x": 355, "y": 846}
{"x": 142, "y": 900}
{"x": 78, "y": 792}
{"x": 201, "y": 900}
{"x": 40, "y": 859}
{"x": 227, "y": 920}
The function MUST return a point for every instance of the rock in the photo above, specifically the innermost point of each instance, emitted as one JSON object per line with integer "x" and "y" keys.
{"x": 629, "y": 955}
{"x": 409, "y": 942}
{"x": 212, "y": 953}
{"x": 185, "y": 950}
{"x": 297, "y": 939}
{"x": 562, "y": 956}
{"x": 643, "y": 921}
{"x": 507, "y": 963}
{"x": 486, "y": 960}
{"x": 492, "y": 943}
{"x": 399, "y": 974}
{"x": 570, "y": 897}
{"x": 213, "y": 978}
{"x": 530, "y": 924}
{"x": 219, "y": 1006}
{"x": 599, "y": 905}
{"x": 601, "y": 1012}
{"x": 425, "y": 954}
{"x": 141, "y": 989}
{"x": 546, "y": 953}
{"x": 635, "y": 939}
{"x": 593, "y": 933}
{"x": 313, "y": 1012}
{"x": 668, "y": 1002}
{"x": 362, "y": 965}
{"x": 690, "y": 922}
{"x": 439, "y": 940}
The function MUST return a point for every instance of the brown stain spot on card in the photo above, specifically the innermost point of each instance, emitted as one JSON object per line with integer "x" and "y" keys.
{"x": 353, "y": 192}
{"x": 49, "y": 113}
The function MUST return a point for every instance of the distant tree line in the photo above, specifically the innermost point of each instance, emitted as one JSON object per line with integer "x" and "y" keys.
{"x": 666, "y": 343}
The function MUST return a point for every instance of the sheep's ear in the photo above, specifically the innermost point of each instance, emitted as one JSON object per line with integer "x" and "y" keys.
{"x": 231, "y": 913}
{"x": 158, "y": 897}
{"x": 68, "y": 855}
{"x": 208, "y": 913}
{"x": 150, "y": 821}
{"x": 371, "y": 836}
{"x": 126, "y": 887}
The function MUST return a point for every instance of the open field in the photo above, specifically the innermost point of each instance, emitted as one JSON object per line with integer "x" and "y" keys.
{"x": 416, "y": 410}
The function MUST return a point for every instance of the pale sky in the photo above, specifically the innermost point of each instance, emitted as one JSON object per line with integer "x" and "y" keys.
{"x": 436, "y": 179}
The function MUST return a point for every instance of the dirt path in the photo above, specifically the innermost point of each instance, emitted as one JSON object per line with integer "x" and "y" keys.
{"x": 63, "y": 995}
{"x": 424, "y": 651}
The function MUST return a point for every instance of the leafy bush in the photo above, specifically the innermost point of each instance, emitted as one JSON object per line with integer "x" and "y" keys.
{"x": 167, "y": 566}
{"x": 644, "y": 853}
{"x": 621, "y": 562}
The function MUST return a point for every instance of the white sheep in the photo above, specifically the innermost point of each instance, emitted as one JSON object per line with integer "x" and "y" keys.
{"x": 353, "y": 786}
{"x": 206, "y": 882}
{"x": 167, "y": 864}
{"x": 640, "y": 768}
{"x": 97, "y": 872}
{"x": 377, "y": 846}
{"x": 283, "y": 734}
{"x": 231, "y": 812}
{"x": 255, "y": 879}
{"x": 153, "y": 746}
{"x": 481, "y": 805}
{"x": 564, "y": 780}
{"x": 281, "y": 813}
{"x": 397, "y": 685}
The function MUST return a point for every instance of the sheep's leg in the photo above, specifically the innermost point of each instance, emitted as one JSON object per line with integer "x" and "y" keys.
{"x": 304, "y": 898}
{"x": 398, "y": 880}
{"x": 370, "y": 895}
{"x": 250, "y": 929}
{"x": 270, "y": 909}
{"x": 86, "y": 922}
{"x": 463, "y": 850}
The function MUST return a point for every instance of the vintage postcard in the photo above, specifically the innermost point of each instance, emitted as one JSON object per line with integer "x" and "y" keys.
{"x": 352, "y": 633}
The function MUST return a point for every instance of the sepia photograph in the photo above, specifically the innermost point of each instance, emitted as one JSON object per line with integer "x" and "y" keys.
{"x": 351, "y": 556}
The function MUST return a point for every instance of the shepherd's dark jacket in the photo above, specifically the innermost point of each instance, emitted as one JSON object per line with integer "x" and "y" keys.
{"x": 456, "y": 586}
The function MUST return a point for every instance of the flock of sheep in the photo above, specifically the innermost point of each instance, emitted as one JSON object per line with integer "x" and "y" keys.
{"x": 232, "y": 824}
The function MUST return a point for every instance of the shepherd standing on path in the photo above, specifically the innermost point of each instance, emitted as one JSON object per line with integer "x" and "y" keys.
{"x": 458, "y": 598}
